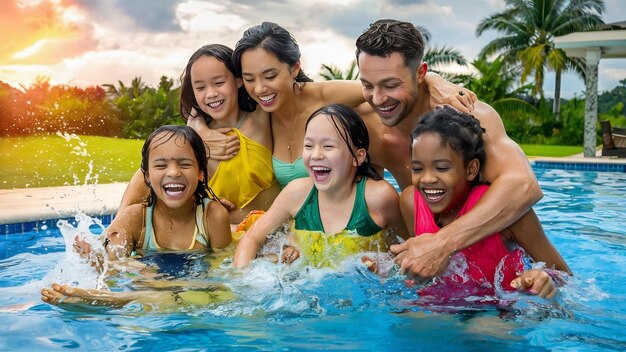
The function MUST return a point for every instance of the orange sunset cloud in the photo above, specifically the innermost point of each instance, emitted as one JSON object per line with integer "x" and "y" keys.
{"x": 43, "y": 32}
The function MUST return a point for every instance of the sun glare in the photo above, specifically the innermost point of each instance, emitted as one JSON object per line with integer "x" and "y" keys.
{"x": 30, "y": 51}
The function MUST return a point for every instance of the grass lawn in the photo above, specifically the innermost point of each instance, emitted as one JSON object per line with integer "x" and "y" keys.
{"x": 43, "y": 161}
{"x": 550, "y": 150}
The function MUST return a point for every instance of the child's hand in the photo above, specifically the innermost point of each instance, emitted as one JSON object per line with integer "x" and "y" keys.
{"x": 82, "y": 247}
{"x": 85, "y": 251}
{"x": 228, "y": 204}
{"x": 372, "y": 264}
{"x": 535, "y": 282}
{"x": 290, "y": 254}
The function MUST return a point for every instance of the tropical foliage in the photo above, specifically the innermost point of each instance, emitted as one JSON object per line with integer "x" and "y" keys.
{"x": 130, "y": 112}
{"x": 528, "y": 28}
{"x": 143, "y": 108}
{"x": 509, "y": 76}
{"x": 498, "y": 85}
{"x": 43, "y": 108}
{"x": 330, "y": 72}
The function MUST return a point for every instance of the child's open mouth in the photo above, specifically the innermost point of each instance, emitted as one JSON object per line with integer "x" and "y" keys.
{"x": 320, "y": 173}
{"x": 174, "y": 189}
{"x": 433, "y": 194}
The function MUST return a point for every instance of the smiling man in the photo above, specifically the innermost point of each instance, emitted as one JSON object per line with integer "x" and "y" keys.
{"x": 389, "y": 55}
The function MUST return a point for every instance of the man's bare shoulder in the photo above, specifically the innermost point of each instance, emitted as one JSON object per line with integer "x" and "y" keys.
{"x": 489, "y": 118}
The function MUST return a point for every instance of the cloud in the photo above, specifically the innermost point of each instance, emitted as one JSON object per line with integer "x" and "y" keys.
{"x": 43, "y": 32}
{"x": 152, "y": 15}
{"x": 197, "y": 16}
{"x": 610, "y": 73}
{"x": 407, "y": 2}
{"x": 349, "y": 20}
{"x": 148, "y": 15}
{"x": 86, "y": 42}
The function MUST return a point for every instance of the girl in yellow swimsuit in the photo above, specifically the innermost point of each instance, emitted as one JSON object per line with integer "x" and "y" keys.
{"x": 213, "y": 99}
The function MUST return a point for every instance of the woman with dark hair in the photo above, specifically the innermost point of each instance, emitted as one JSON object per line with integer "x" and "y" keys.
{"x": 213, "y": 98}
{"x": 343, "y": 196}
{"x": 267, "y": 57}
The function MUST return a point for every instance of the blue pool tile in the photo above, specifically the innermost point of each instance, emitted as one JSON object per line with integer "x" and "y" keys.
{"x": 29, "y": 226}
{"x": 43, "y": 225}
{"x": 602, "y": 167}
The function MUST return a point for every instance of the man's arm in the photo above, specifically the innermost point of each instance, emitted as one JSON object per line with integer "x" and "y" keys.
{"x": 528, "y": 233}
{"x": 514, "y": 187}
{"x": 514, "y": 190}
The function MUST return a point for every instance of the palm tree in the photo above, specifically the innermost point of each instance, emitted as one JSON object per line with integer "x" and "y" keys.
{"x": 136, "y": 89}
{"x": 529, "y": 28}
{"x": 330, "y": 72}
{"x": 497, "y": 84}
{"x": 437, "y": 56}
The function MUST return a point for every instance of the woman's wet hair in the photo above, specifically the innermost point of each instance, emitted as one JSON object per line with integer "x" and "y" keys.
{"x": 188, "y": 101}
{"x": 461, "y": 131}
{"x": 181, "y": 135}
{"x": 274, "y": 39}
{"x": 353, "y": 131}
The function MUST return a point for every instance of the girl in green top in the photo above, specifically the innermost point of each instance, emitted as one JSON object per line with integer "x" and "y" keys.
{"x": 342, "y": 192}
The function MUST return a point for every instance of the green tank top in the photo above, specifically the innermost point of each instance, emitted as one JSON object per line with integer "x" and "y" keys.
{"x": 308, "y": 217}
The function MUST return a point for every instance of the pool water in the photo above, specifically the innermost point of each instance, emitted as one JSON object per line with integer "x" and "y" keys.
{"x": 282, "y": 307}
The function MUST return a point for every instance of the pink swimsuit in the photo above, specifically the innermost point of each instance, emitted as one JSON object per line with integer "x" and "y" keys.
{"x": 478, "y": 276}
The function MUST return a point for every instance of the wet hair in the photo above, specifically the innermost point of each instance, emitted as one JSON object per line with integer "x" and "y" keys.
{"x": 387, "y": 36}
{"x": 461, "y": 131}
{"x": 188, "y": 100}
{"x": 353, "y": 131}
{"x": 181, "y": 134}
{"x": 275, "y": 40}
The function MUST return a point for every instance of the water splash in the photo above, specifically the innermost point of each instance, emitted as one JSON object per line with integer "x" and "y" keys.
{"x": 80, "y": 150}
{"x": 72, "y": 269}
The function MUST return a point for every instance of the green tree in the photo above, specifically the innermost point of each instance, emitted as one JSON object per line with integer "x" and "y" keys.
{"x": 330, "y": 72}
{"x": 608, "y": 100}
{"x": 529, "y": 28}
{"x": 440, "y": 56}
{"x": 143, "y": 108}
{"x": 497, "y": 84}
{"x": 437, "y": 56}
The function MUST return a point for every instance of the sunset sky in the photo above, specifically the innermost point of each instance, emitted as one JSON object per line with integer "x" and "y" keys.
{"x": 92, "y": 42}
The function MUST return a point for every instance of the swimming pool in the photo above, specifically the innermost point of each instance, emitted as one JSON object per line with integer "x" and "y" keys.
{"x": 293, "y": 308}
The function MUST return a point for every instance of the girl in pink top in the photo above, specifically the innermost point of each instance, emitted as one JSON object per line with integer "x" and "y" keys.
{"x": 447, "y": 155}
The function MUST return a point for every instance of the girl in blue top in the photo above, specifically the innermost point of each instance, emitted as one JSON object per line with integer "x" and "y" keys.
{"x": 179, "y": 215}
